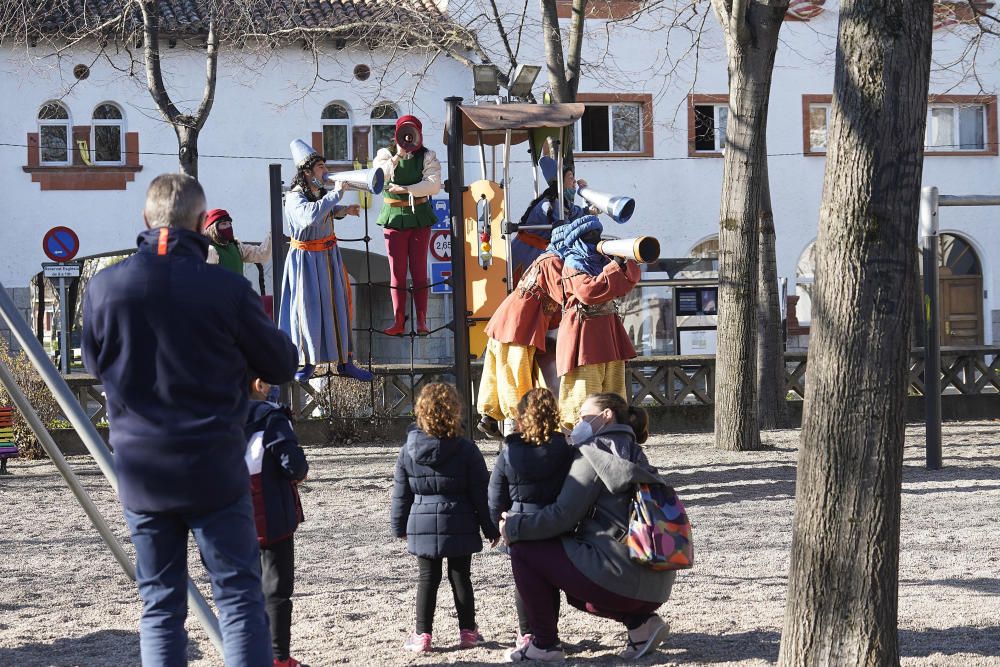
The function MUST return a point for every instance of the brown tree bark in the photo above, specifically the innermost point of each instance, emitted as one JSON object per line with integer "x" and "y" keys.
{"x": 771, "y": 402}
{"x": 843, "y": 582}
{"x": 563, "y": 69}
{"x": 751, "y": 29}
{"x": 186, "y": 126}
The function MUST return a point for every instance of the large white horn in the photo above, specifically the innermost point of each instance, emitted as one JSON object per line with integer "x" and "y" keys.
{"x": 643, "y": 249}
{"x": 372, "y": 180}
{"x": 618, "y": 207}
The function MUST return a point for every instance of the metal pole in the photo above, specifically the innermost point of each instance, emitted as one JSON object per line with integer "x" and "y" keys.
{"x": 64, "y": 351}
{"x": 278, "y": 249}
{"x": 509, "y": 278}
{"x": 929, "y": 242}
{"x": 73, "y": 411}
{"x": 48, "y": 444}
{"x": 560, "y": 207}
{"x": 482, "y": 156}
{"x": 460, "y": 313}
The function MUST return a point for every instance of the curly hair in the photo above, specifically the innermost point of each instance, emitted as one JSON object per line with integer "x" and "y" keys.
{"x": 439, "y": 411}
{"x": 301, "y": 179}
{"x": 538, "y": 415}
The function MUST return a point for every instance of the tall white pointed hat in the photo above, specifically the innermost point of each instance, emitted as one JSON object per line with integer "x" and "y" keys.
{"x": 301, "y": 151}
{"x": 548, "y": 167}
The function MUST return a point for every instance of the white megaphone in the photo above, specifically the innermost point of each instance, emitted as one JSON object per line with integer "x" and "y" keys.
{"x": 372, "y": 180}
{"x": 618, "y": 207}
{"x": 643, "y": 249}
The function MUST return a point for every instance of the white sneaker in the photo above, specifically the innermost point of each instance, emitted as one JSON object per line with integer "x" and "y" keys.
{"x": 523, "y": 640}
{"x": 643, "y": 640}
{"x": 531, "y": 652}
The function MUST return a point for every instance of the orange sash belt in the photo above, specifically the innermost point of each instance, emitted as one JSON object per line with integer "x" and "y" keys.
{"x": 315, "y": 245}
{"x": 533, "y": 240}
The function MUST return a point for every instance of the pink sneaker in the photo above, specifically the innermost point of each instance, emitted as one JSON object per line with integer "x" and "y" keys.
{"x": 469, "y": 638}
{"x": 418, "y": 643}
{"x": 523, "y": 640}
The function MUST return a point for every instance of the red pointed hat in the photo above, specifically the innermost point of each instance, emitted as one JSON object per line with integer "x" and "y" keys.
{"x": 214, "y": 216}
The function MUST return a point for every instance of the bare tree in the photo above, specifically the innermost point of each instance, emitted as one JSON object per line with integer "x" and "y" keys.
{"x": 771, "y": 401}
{"x": 843, "y": 582}
{"x": 563, "y": 69}
{"x": 186, "y": 126}
{"x": 751, "y": 34}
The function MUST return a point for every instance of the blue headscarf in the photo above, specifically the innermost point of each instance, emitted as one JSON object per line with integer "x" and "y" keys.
{"x": 568, "y": 244}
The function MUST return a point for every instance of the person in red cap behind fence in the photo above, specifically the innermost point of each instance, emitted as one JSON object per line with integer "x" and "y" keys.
{"x": 413, "y": 176}
{"x": 228, "y": 251}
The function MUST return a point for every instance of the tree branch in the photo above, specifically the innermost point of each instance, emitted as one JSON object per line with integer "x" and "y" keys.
{"x": 151, "y": 52}
{"x": 211, "y": 71}
{"x": 575, "y": 48}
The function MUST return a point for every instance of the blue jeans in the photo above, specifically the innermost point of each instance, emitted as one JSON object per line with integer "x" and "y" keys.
{"x": 227, "y": 540}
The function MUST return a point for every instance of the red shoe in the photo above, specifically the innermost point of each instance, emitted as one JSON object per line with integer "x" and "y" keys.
{"x": 398, "y": 328}
{"x": 291, "y": 662}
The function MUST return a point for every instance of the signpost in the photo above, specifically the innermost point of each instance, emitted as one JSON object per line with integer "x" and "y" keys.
{"x": 440, "y": 261}
{"x": 61, "y": 244}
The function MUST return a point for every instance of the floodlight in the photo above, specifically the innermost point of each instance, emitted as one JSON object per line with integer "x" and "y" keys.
{"x": 485, "y": 80}
{"x": 524, "y": 79}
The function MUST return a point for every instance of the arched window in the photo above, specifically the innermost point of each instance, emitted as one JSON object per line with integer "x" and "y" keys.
{"x": 336, "y": 121}
{"x": 707, "y": 248}
{"x": 108, "y": 134}
{"x": 383, "y": 126}
{"x": 958, "y": 258}
{"x": 54, "y": 134}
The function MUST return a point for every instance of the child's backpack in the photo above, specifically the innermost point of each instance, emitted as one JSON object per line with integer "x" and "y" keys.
{"x": 659, "y": 533}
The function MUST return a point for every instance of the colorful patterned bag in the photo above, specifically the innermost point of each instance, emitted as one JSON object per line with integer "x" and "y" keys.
{"x": 659, "y": 533}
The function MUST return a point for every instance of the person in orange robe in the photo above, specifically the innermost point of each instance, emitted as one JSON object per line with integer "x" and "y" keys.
{"x": 592, "y": 342}
{"x": 516, "y": 342}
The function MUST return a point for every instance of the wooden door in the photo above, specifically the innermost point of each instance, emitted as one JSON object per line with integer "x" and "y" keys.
{"x": 961, "y": 310}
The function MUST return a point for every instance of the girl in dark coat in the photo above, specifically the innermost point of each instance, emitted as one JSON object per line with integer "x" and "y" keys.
{"x": 439, "y": 507}
{"x": 530, "y": 472}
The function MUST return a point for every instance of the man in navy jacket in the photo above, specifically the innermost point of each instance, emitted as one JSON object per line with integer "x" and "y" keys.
{"x": 171, "y": 339}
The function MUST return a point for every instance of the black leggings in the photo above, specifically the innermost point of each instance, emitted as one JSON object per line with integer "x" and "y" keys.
{"x": 277, "y": 564}
{"x": 428, "y": 580}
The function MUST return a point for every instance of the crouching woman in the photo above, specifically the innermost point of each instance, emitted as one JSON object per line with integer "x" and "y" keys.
{"x": 591, "y": 565}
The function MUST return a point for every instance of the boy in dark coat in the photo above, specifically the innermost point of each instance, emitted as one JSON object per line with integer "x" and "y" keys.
{"x": 277, "y": 465}
{"x": 530, "y": 471}
{"x": 439, "y": 507}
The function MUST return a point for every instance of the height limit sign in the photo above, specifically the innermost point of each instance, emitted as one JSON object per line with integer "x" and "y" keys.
{"x": 440, "y": 264}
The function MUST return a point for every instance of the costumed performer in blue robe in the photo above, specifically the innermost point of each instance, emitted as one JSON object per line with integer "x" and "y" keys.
{"x": 316, "y": 289}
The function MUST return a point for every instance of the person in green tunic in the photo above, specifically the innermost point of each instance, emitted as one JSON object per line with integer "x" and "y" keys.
{"x": 225, "y": 249}
{"x": 413, "y": 176}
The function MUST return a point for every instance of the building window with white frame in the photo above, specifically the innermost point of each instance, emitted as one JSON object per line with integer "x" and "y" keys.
{"x": 710, "y": 122}
{"x": 107, "y": 137}
{"x": 54, "y": 134}
{"x": 383, "y": 127}
{"x": 610, "y": 128}
{"x": 819, "y": 127}
{"x": 956, "y": 127}
{"x": 336, "y": 122}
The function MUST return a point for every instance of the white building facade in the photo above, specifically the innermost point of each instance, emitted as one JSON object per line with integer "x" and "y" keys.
{"x": 80, "y": 151}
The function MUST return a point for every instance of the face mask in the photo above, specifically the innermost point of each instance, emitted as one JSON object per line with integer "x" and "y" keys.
{"x": 570, "y": 194}
{"x": 581, "y": 432}
{"x": 318, "y": 184}
{"x": 226, "y": 234}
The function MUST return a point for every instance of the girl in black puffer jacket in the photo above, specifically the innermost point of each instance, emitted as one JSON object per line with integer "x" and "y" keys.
{"x": 530, "y": 471}
{"x": 439, "y": 507}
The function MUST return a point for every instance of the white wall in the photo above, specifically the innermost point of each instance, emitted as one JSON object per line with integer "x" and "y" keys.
{"x": 677, "y": 197}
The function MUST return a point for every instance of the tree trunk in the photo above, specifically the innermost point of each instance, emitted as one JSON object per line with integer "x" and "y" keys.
{"x": 843, "y": 581}
{"x": 751, "y": 50}
{"x": 187, "y": 150}
{"x": 771, "y": 402}
{"x": 554, "y": 59}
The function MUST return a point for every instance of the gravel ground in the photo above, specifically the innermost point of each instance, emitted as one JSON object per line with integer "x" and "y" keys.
{"x": 64, "y": 601}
